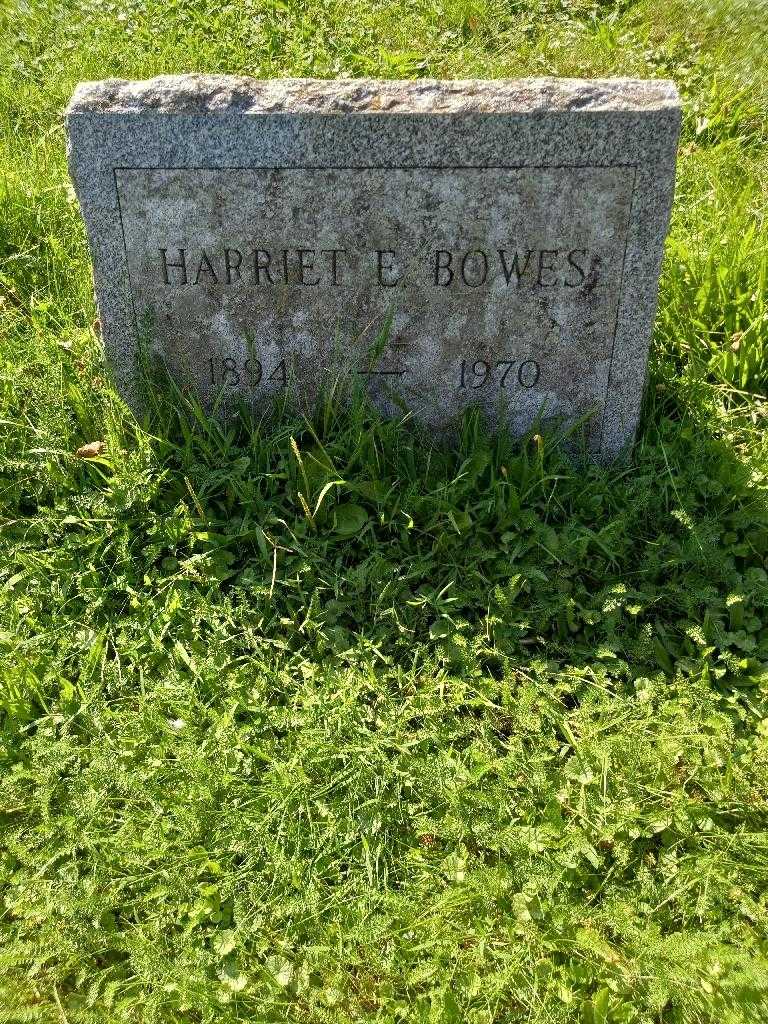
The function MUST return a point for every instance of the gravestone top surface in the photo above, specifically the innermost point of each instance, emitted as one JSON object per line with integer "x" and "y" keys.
{"x": 207, "y": 94}
{"x": 446, "y": 243}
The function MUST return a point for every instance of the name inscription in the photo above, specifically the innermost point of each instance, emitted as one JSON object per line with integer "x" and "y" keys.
{"x": 313, "y": 267}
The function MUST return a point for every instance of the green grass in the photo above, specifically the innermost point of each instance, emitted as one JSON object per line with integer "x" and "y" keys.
{"x": 308, "y": 721}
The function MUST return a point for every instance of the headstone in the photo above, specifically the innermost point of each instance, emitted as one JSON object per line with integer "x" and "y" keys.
{"x": 447, "y": 244}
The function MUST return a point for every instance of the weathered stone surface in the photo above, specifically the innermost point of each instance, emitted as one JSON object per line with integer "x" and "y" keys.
{"x": 264, "y": 234}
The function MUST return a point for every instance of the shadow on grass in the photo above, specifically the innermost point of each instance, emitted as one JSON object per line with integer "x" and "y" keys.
{"x": 339, "y": 530}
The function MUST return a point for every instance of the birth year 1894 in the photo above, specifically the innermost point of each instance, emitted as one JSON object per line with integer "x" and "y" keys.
{"x": 234, "y": 373}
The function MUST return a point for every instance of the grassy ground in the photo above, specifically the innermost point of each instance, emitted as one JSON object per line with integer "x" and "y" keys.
{"x": 481, "y": 739}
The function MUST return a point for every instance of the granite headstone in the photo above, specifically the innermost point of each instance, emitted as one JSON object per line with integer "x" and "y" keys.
{"x": 447, "y": 243}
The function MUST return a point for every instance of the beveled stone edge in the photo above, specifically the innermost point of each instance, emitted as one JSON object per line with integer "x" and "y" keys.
{"x": 218, "y": 94}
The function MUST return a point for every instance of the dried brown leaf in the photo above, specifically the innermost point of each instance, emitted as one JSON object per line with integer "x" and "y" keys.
{"x": 91, "y": 450}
